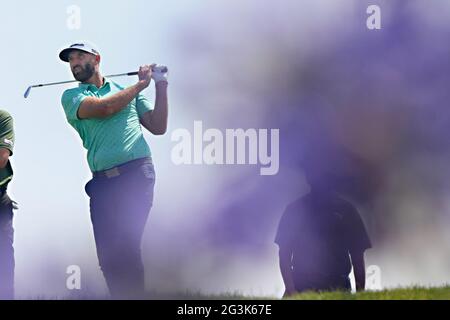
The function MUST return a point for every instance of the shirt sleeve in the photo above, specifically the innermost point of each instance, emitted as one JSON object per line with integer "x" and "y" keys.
{"x": 71, "y": 101}
{"x": 284, "y": 234}
{"x": 358, "y": 238}
{"x": 7, "y": 137}
{"x": 142, "y": 105}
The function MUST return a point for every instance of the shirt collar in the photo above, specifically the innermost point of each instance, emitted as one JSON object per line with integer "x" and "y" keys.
{"x": 91, "y": 87}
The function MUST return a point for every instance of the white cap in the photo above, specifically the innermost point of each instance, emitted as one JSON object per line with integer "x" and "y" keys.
{"x": 82, "y": 46}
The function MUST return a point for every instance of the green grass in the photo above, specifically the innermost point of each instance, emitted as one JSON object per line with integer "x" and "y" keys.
{"x": 413, "y": 293}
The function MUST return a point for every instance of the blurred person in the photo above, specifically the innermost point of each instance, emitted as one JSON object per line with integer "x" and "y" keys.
{"x": 108, "y": 119}
{"x": 7, "y": 205}
{"x": 320, "y": 237}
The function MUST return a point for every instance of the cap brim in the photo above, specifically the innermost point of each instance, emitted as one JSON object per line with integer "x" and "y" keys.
{"x": 64, "y": 55}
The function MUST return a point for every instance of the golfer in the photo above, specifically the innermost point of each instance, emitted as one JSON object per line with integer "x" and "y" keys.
{"x": 6, "y": 208}
{"x": 321, "y": 237}
{"x": 109, "y": 118}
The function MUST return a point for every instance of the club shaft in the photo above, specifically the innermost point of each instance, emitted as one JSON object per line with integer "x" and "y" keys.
{"x": 73, "y": 81}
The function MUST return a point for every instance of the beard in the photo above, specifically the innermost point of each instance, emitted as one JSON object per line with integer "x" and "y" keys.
{"x": 84, "y": 73}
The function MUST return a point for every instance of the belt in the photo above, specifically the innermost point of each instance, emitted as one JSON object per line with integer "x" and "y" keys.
{"x": 123, "y": 168}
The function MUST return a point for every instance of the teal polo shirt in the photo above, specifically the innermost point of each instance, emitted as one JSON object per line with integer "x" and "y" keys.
{"x": 111, "y": 141}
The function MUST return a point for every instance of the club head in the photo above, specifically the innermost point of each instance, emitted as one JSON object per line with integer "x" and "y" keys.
{"x": 27, "y": 93}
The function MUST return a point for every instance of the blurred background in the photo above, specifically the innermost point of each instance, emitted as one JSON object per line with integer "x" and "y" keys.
{"x": 367, "y": 106}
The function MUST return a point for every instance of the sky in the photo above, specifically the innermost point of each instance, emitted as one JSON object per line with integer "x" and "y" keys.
{"x": 232, "y": 65}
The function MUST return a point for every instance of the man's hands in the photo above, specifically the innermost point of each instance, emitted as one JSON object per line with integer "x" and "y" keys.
{"x": 145, "y": 76}
{"x": 285, "y": 257}
{"x": 159, "y": 73}
{"x": 4, "y": 157}
{"x": 148, "y": 72}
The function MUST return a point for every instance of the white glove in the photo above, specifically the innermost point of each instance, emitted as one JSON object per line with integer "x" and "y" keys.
{"x": 160, "y": 73}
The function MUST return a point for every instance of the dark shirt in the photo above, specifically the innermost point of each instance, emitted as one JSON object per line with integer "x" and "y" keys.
{"x": 321, "y": 232}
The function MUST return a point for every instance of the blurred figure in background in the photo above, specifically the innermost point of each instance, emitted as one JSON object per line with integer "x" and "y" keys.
{"x": 6, "y": 208}
{"x": 317, "y": 235}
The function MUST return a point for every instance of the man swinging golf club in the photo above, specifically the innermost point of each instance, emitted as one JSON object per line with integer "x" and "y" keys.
{"x": 108, "y": 119}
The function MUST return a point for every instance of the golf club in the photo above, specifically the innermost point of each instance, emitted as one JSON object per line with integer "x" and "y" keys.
{"x": 27, "y": 92}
